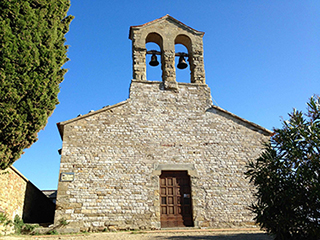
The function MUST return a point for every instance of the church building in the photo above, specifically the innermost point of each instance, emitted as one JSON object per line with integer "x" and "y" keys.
{"x": 165, "y": 157}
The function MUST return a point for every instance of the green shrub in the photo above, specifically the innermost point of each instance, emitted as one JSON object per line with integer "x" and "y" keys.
{"x": 52, "y": 232}
{"x": 287, "y": 177}
{"x": 4, "y": 220}
{"x": 63, "y": 222}
{"x": 29, "y": 227}
{"x": 18, "y": 224}
{"x": 21, "y": 228}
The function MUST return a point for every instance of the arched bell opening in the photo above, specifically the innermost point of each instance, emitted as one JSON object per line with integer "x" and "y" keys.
{"x": 181, "y": 64}
{"x": 153, "y": 62}
{"x": 183, "y": 59}
{"x": 153, "y": 57}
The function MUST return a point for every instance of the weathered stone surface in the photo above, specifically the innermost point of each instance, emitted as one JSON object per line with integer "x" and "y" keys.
{"x": 115, "y": 154}
{"x": 166, "y": 32}
{"x": 12, "y": 192}
{"x": 118, "y": 153}
{"x": 18, "y": 196}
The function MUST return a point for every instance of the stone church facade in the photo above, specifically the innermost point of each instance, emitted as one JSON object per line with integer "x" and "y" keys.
{"x": 165, "y": 157}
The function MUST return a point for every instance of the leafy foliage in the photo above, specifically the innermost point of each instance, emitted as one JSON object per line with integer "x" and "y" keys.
{"x": 5, "y": 222}
{"x": 63, "y": 222}
{"x": 18, "y": 224}
{"x": 52, "y": 232}
{"x": 32, "y": 52}
{"x": 21, "y": 228}
{"x": 287, "y": 176}
{"x": 4, "y": 219}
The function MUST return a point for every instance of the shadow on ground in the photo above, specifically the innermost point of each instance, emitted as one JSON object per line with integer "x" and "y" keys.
{"x": 240, "y": 236}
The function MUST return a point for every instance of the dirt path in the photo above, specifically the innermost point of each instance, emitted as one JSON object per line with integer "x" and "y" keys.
{"x": 161, "y": 235}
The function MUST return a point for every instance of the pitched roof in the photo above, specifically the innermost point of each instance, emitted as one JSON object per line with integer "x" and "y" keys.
{"x": 61, "y": 125}
{"x": 253, "y": 125}
{"x": 263, "y": 130}
{"x": 166, "y": 17}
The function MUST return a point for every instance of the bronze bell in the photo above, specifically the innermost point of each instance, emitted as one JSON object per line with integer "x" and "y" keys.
{"x": 182, "y": 63}
{"x": 153, "y": 62}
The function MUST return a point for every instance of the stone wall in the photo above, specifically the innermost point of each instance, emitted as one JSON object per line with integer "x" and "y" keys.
{"x": 12, "y": 192}
{"x": 117, "y": 154}
{"x": 18, "y": 196}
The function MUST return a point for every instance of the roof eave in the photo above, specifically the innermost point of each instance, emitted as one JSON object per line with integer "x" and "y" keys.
{"x": 61, "y": 125}
{"x": 159, "y": 19}
{"x": 264, "y": 130}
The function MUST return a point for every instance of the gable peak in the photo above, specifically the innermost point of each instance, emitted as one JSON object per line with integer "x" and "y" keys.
{"x": 169, "y": 19}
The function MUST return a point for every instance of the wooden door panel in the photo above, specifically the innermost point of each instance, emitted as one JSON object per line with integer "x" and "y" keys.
{"x": 175, "y": 199}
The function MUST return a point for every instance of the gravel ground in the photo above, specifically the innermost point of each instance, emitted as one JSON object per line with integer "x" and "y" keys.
{"x": 162, "y": 235}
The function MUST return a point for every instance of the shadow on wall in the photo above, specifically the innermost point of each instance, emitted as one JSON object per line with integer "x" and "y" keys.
{"x": 37, "y": 207}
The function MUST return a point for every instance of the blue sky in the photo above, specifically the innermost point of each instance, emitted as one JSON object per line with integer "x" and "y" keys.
{"x": 262, "y": 58}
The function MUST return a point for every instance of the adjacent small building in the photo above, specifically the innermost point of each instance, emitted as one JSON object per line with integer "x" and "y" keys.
{"x": 166, "y": 156}
{"x": 18, "y": 196}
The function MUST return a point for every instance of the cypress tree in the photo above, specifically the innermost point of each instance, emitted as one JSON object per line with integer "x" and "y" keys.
{"x": 32, "y": 53}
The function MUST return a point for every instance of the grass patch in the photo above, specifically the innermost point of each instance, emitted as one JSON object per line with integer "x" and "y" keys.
{"x": 138, "y": 232}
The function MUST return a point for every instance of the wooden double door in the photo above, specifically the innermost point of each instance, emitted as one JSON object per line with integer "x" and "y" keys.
{"x": 175, "y": 199}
